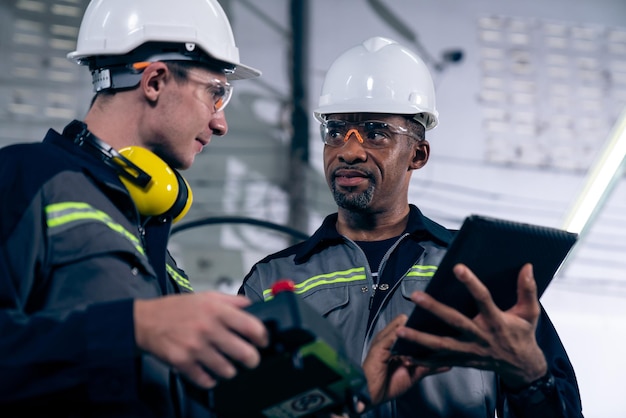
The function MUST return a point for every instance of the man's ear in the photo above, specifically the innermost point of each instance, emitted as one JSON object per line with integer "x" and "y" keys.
{"x": 153, "y": 79}
{"x": 421, "y": 152}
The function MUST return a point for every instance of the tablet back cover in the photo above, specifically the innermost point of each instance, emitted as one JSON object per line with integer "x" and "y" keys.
{"x": 495, "y": 250}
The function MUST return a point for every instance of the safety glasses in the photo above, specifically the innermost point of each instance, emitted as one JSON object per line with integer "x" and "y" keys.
{"x": 370, "y": 133}
{"x": 219, "y": 92}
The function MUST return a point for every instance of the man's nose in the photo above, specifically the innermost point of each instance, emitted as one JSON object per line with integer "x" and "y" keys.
{"x": 218, "y": 124}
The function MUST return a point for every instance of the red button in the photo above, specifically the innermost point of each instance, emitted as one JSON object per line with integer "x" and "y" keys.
{"x": 283, "y": 285}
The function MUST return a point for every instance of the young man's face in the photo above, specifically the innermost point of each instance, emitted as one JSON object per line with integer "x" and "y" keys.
{"x": 186, "y": 115}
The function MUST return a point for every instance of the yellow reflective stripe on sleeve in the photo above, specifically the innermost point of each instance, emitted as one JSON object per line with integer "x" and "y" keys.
{"x": 421, "y": 271}
{"x": 61, "y": 216}
{"x": 345, "y": 276}
{"x": 178, "y": 278}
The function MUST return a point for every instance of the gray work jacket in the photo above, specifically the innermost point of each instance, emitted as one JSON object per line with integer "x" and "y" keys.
{"x": 332, "y": 274}
{"x": 74, "y": 254}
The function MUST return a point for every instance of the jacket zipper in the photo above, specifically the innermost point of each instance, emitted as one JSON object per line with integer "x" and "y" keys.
{"x": 391, "y": 290}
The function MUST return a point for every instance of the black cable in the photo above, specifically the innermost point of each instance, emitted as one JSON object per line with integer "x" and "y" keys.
{"x": 239, "y": 220}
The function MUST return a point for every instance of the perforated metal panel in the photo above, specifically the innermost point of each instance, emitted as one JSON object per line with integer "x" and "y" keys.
{"x": 551, "y": 91}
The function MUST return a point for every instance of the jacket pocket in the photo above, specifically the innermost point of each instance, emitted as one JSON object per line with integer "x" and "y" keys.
{"x": 411, "y": 284}
{"x": 328, "y": 298}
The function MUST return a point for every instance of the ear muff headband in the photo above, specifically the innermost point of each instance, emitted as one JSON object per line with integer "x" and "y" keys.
{"x": 163, "y": 192}
{"x": 184, "y": 201}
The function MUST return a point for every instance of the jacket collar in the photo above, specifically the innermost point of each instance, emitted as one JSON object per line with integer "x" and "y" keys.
{"x": 88, "y": 162}
{"x": 419, "y": 227}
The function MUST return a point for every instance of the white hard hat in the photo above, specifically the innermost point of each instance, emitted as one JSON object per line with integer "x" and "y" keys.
{"x": 178, "y": 30}
{"x": 379, "y": 76}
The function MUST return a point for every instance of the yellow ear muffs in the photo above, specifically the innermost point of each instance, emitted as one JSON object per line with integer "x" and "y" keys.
{"x": 167, "y": 192}
{"x": 185, "y": 199}
{"x": 154, "y": 186}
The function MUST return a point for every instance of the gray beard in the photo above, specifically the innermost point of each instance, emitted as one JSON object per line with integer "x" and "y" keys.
{"x": 356, "y": 202}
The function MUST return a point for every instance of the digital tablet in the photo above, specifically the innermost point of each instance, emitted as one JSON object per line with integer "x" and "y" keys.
{"x": 495, "y": 250}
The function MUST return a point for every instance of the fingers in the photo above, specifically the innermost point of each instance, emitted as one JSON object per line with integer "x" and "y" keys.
{"x": 216, "y": 359}
{"x": 228, "y": 339}
{"x": 246, "y": 325}
{"x": 234, "y": 300}
{"x": 444, "y": 312}
{"x": 198, "y": 375}
{"x": 387, "y": 336}
{"x": 443, "y": 350}
{"x": 492, "y": 340}
{"x": 204, "y": 335}
{"x": 377, "y": 366}
{"x": 380, "y": 351}
{"x": 477, "y": 289}
{"x": 229, "y": 334}
{"x": 527, "y": 306}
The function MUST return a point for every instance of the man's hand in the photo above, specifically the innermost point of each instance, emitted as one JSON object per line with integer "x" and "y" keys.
{"x": 501, "y": 341}
{"x": 203, "y": 335}
{"x": 388, "y": 376}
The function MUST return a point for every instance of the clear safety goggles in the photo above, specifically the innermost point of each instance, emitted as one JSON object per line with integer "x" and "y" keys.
{"x": 218, "y": 91}
{"x": 369, "y": 133}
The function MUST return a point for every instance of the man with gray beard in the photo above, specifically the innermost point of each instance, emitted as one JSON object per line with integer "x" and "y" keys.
{"x": 366, "y": 267}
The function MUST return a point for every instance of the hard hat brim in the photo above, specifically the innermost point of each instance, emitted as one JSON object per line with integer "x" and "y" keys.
{"x": 390, "y": 107}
